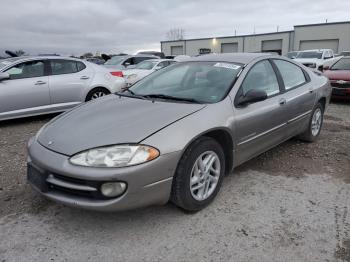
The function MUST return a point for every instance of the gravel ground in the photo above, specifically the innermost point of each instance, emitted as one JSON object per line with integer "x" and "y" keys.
{"x": 292, "y": 203}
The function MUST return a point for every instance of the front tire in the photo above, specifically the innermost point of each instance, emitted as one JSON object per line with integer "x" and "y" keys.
{"x": 315, "y": 124}
{"x": 199, "y": 175}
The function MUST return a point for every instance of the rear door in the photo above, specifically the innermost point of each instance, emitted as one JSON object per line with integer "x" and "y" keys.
{"x": 261, "y": 125}
{"x": 299, "y": 93}
{"x": 26, "y": 90}
{"x": 67, "y": 81}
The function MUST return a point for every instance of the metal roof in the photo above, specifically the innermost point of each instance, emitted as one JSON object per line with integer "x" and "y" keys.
{"x": 241, "y": 58}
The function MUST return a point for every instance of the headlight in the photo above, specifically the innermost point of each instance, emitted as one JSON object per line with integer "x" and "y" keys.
{"x": 132, "y": 76}
{"x": 115, "y": 156}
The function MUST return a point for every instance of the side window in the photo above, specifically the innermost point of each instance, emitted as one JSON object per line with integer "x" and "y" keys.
{"x": 27, "y": 70}
{"x": 80, "y": 66}
{"x": 140, "y": 59}
{"x": 60, "y": 67}
{"x": 129, "y": 61}
{"x": 263, "y": 77}
{"x": 292, "y": 75}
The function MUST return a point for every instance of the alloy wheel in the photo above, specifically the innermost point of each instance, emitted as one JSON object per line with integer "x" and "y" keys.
{"x": 316, "y": 122}
{"x": 205, "y": 175}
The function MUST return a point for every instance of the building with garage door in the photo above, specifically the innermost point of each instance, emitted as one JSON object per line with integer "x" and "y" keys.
{"x": 335, "y": 36}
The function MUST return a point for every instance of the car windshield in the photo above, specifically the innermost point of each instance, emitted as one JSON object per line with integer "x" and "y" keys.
{"x": 115, "y": 60}
{"x": 342, "y": 64}
{"x": 147, "y": 65}
{"x": 205, "y": 82}
{"x": 310, "y": 54}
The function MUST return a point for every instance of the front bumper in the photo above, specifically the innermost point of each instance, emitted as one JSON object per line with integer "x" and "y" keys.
{"x": 147, "y": 184}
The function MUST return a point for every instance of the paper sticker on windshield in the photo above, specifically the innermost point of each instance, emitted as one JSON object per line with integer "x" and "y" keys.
{"x": 227, "y": 65}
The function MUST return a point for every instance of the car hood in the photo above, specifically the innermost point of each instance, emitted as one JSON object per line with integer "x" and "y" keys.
{"x": 111, "y": 120}
{"x": 338, "y": 74}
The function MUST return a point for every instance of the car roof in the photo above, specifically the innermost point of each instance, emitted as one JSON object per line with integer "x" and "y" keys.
{"x": 241, "y": 58}
{"x": 158, "y": 60}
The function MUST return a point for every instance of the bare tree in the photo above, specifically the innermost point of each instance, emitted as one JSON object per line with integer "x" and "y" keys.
{"x": 175, "y": 34}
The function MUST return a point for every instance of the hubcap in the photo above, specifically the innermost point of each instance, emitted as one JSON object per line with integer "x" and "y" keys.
{"x": 205, "y": 175}
{"x": 316, "y": 122}
{"x": 97, "y": 95}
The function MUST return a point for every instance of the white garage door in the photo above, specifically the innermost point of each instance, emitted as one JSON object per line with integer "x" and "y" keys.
{"x": 271, "y": 45}
{"x": 177, "y": 50}
{"x": 320, "y": 44}
{"x": 229, "y": 47}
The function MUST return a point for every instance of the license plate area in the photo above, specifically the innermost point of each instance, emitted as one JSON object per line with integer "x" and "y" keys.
{"x": 37, "y": 178}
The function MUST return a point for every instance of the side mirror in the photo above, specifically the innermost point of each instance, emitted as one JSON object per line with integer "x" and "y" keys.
{"x": 126, "y": 64}
{"x": 252, "y": 96}
{"x": 158, "y": 67}
{"x": 325, "y": 68}
{"x": 4, "y": 76}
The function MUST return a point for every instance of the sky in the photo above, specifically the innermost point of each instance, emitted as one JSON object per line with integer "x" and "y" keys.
{"x": 73, "y": 27}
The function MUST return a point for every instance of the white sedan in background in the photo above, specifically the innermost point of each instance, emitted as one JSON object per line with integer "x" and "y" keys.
{"x": 43, "y": 84}
{"x": 145, "y": 68}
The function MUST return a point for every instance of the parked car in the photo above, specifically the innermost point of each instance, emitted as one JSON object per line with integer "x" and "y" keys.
{"x": 292, "y": 55}
{"x": 118, "y": 63}
{"x": 176, "y": 133}
{"x": 314, "y": 58}
{"x": 155, "y": 53}
{"x": 39, "y": 85}
{"x": 339, "y": 75}
{"x": 145, "y": 68}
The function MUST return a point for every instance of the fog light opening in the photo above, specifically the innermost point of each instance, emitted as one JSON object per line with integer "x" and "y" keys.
{"x": 113, "y": 189}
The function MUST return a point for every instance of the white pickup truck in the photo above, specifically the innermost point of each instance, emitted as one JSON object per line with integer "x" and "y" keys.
{"x": 315, "y": 58}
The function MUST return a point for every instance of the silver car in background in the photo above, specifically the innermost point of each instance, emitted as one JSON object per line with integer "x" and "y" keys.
{"x": 175, "y": 134}
{"x": 145, "y": 68}
{"x": 39, "y": 85}
{"x": 122, "y": 62}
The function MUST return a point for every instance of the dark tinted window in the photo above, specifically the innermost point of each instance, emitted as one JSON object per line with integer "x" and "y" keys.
{"x": 292, "y": 75}
{"x": 262, "y": 77}
{"x": 141, "y": 58}
{"x": 27, "y": 70}
{"x": 60, "y": 67}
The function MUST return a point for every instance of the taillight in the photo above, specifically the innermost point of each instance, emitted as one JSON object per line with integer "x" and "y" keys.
{"x": 117, "y": 73}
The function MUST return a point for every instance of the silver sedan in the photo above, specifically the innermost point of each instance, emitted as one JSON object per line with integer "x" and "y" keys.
{"x": 176, "y": 133}
{"x": 39, "y": 85}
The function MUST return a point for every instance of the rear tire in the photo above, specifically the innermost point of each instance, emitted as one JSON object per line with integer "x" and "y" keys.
{"x": 97, "y": 93}
{"x": 315, "y": 124}
{"x": 199, "y": 175}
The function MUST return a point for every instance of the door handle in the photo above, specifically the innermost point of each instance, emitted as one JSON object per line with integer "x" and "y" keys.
{"x": 40, "y": 83}
{"x": 84, "y": 77}
{"x": 311, "y": 90}
{"x": 282, "y": 101}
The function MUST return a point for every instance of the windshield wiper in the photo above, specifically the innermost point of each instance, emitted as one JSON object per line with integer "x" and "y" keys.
{"x": 132, "y": 94}
{"x": 175, "y": 98}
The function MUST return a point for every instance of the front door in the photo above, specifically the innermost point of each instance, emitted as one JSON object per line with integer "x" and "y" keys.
{"x": 261, "y": 125}
{"x": 26, "y": 91}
